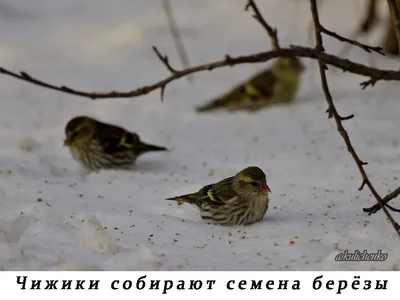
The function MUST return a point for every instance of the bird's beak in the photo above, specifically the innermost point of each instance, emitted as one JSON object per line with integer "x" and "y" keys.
{"x": 68, "y": 142}
{"x": 264, "y": 189}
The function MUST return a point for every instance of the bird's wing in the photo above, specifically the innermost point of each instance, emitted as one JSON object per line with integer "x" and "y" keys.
{"x": 228, "y": 99}
{"x": 114, "y": 138}
{"x": 215, "y": 194}
{"x": 260, "y": 86}
{"x": 220, "y": 192}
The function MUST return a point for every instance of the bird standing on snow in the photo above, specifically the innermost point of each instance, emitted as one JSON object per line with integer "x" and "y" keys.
{"x": 238, "y": 200}
{"x": 277, "y": 84}
{"x": 97, "y": 145}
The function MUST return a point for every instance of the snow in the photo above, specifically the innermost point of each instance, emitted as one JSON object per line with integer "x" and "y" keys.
{"x": 53, "y": 218}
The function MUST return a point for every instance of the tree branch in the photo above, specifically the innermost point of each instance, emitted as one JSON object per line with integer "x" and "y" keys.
{"x": 366, "y": 25}
{"x": 317, "y": 53}
{"x": 272, "y": 32}
{"x": 375, "y": 208}
{"x": 164, "y": 59}
{"x": 365, "y": 47}
{"x": 332, "y": 111}
{"x": 173, "y": 28}
{"x": 346, "y": 65}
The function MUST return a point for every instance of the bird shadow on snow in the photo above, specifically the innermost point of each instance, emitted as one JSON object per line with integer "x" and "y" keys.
{"x": 271, "y": 219}
{"x": 151, "y": 165}
{"x": 190, "y": 218}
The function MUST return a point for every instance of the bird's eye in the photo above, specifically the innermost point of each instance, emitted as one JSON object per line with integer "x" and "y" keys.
{"x": 80, "y": 130}
{"x": 253, "y": 183}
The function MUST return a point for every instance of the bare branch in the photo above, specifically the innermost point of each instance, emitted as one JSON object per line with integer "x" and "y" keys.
{"x": 317, "y": 53}
{"x": 338, "y": 119}
{"x": 346, "y": 65}
{"x": 365, "y": 47}
{"x": 392, "y": 208}
{"x": 347, "y": 117}
{"x": 371, "y": 82}
{"x": 364, "y": 182}
{"x": 351, "y": 41}
{"x": 173, "y": 28}
{"x": 375, "y": 208}
{"x": 162, "y": 92}
{"x": 164, "y": 60}
{"x": 369, "y": 21}
{"x": 272, "y": 32}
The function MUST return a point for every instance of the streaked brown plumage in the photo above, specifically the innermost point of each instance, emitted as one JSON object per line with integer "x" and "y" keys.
{"x": 238, "y": 200}
{"x": 277, "y": 84}
{"x": 97, "y": 145}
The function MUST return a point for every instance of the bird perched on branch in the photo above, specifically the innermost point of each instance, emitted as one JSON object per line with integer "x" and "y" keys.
{"x": 277, "y": 84}
{"x": 97, "y": 145}
{"x": 238, "y": 200}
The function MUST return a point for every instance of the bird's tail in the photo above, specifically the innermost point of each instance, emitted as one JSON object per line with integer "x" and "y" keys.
{"x": 215, "y": 104}
{"x": 189, "y": 198}
{"x": 143, "y": 148}
{"x": 229, "y": 99}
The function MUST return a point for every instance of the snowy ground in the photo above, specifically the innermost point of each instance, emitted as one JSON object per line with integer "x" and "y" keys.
{"x": 52, "y": 219}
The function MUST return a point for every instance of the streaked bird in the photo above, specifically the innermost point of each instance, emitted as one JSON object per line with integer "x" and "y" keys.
{"x": 238, "y": 200}
{"x": 97, "y": 145}
{"x": 278, "y": 84}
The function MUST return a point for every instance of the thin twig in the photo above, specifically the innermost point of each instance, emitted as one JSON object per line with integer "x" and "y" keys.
{"x": 317, "y": 53}
{"x": 173, "y": 28}
{"x": 332, "y": 111}
{"x": 164, "y": 60}
{"x": 365, "y": 47}
{"x": 272, "y": 32}
{"x": 295, "y": 51}
{"x": 351, "y": 41}
{"x": 369, "y": 21}
{"x": 375, "y": 208}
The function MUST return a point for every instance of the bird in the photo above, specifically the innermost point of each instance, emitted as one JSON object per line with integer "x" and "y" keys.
{"x": 241, "y": 199}
{"x": 277, "y": 84}
{"x": 97, "y": 145}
